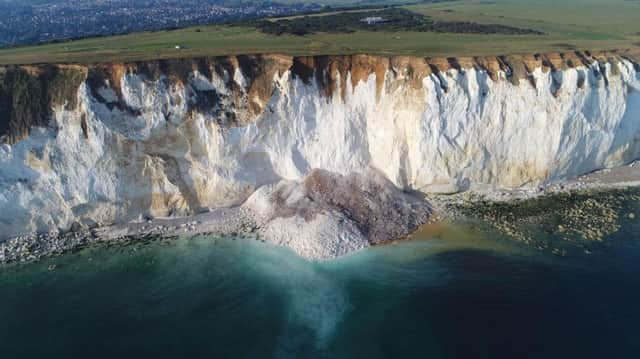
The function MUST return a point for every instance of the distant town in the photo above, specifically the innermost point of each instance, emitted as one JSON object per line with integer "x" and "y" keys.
{"x": 56, "y": 20}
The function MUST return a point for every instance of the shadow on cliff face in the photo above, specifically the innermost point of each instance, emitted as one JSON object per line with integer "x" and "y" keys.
{"x": 28, "y": 97}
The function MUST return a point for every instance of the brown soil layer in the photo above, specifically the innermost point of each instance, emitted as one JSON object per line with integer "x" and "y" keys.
{"x": 29, "y": 93}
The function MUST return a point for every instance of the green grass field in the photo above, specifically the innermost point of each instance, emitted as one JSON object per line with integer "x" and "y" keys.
{"x": 569, "y": 24}
{"x": 571, "y": 19}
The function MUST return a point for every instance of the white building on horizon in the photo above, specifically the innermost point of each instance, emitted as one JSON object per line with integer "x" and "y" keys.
{"x": 373, "y": 20}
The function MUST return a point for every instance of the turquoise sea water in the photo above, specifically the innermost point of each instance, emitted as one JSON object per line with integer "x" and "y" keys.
{"x": 452, "y": 293}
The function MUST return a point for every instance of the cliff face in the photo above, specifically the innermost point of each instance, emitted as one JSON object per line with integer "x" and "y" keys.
{"x": 104, "y": 143}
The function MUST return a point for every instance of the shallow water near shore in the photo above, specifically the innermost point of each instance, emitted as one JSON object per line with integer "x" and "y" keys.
{"x": 451, "y": 292}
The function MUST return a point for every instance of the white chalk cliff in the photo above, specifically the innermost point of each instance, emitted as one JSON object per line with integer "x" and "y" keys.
{"x": 135, "y": 140}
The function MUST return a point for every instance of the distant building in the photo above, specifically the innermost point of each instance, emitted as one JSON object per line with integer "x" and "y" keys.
{"x": 178, "y": 47}
{"x": 373, "y": 20}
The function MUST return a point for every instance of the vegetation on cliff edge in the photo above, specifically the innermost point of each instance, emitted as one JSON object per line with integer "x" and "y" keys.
{"x": 26, "y": 99}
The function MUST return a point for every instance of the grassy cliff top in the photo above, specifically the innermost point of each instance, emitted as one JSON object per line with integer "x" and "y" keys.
{"x": 567, "y": 25}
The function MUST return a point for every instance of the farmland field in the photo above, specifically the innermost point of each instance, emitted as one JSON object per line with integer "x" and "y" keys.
{"x": 568, "y": 25}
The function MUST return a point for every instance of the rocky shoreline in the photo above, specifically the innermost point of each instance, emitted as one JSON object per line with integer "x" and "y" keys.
{"x": 322, "y": 217}
{"x": 35, "y": 246}
{"x": 286, "y": 221}
{"x": 611, "y": 178}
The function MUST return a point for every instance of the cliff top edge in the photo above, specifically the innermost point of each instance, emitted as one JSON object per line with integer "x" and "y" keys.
{"x": 551, "y": 60}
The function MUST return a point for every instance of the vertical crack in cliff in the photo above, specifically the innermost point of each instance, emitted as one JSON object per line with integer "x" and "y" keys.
{"x": 174, "y": 175}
